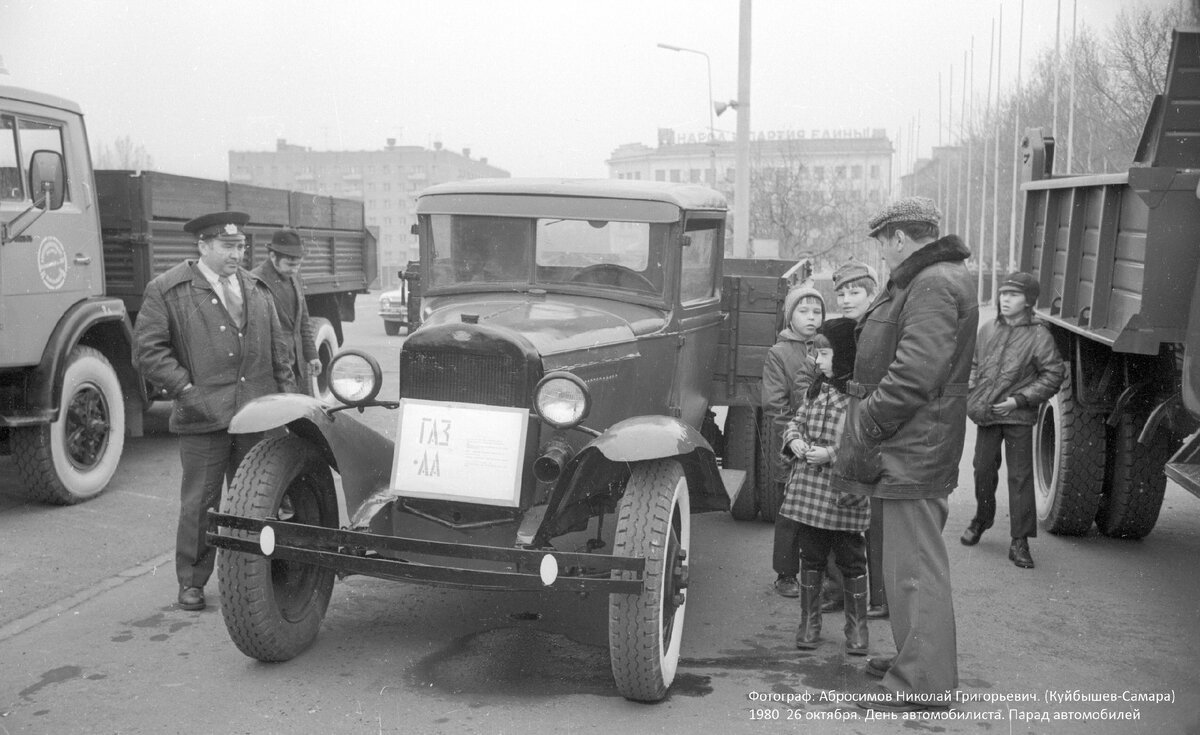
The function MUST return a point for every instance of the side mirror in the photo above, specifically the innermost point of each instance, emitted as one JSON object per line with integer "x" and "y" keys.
{"x": 685, "y": 241}
{"x": 47, "y": 179}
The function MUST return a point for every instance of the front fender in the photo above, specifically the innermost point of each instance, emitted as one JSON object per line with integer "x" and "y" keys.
{"x": 361, "y": 455}
{"x": 648, "y": 437}
{"x": 604, "y": 462}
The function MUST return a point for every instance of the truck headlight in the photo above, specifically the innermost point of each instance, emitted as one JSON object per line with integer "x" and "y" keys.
{"x": 561, "y": 399}
{"x": 354, "y": 377}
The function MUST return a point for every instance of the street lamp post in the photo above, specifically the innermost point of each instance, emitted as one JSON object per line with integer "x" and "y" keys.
{"x": 712, "y": 142}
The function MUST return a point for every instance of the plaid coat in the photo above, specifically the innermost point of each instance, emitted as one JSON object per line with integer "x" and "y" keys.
{"x": 819, "y": 421}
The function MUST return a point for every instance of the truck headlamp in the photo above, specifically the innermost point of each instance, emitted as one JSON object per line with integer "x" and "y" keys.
{"x": 354, "y": 377}
{"x": 561, "y": 399}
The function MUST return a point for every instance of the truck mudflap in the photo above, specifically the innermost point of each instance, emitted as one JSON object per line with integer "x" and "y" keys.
{"x": 353, "y": 552}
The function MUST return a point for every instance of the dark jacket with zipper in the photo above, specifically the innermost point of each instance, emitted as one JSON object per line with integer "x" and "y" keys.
{"x": 295, "y": 321}
{"x": 1018, "y": 361}
{"x": 907, "y": 417}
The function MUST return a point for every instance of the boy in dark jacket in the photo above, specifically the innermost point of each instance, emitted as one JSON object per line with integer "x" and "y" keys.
{"x": 1016, "y": 368}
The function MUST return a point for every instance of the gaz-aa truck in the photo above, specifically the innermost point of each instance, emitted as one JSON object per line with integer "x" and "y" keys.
{"x": 551, "y": 424}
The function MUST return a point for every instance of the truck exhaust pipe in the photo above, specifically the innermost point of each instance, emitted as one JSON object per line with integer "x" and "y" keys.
{"x": 552, "y": 458}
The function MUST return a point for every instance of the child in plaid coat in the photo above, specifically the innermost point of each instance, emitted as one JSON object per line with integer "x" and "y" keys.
{"x": 826, "y": 521}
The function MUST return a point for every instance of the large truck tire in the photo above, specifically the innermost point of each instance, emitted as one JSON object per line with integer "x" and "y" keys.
{"x": 741, "y": 453}
{"x": 1068, "y": 463}
{"x": 273, "y": 608}
{"x": 73, "y": 458}
{"x": 1134, "y": 482}
{"x": 327, "y": 348}
{"x": 645, "y": 630}
{"x": 770, "y": 485}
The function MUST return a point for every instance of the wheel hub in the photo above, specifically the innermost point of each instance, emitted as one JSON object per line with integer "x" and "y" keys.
{"x": 87, "y": 428}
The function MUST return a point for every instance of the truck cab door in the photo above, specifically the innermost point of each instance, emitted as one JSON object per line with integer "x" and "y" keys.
{"x": 56, "y": 261}
{"x": 700, "y": 251}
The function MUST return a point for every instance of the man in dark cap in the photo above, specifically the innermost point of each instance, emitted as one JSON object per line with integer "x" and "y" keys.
{"x": 207, "y": 336}
{"x": 281, "y": 272}
{"x": 903, "y": 440}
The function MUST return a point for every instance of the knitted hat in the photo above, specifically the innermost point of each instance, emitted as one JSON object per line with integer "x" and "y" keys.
{"x": 1022, "y": 283}
{"x": 909, "y": 209}
{"x": 852, "y": 270}
{"x": 792, "y": 299}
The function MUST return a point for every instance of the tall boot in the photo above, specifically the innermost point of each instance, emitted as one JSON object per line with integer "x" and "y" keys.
{"x": 809, "y": 633}
{"x": 857, "y": 638}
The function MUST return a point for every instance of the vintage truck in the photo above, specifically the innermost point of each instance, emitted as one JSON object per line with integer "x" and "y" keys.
{"x": 399, "y": 308}
{"x": 1117, "y": 259}
{"x": 550, "y": 428}
{"x": 76, "y": 253}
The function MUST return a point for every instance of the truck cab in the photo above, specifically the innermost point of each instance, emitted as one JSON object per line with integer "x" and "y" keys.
{"x": 66, "y": 384}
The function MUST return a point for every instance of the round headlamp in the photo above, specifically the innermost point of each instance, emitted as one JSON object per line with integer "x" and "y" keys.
{"x": 354, "y": 377}
{"x": 561, "y": 399}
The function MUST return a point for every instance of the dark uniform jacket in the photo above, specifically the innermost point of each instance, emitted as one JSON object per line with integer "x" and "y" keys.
{"x": 184, "y": 335}
{"x": 907, "y": 416}
{"x": 295, "y": 323}
{"x": 1017, "y": 361}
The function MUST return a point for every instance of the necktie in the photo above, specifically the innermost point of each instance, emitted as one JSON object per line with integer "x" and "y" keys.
{"x": 233, "y": 302}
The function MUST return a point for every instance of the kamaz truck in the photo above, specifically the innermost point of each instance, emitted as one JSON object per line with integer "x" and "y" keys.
{"x": 1117, "y": 257}
{"x": 76, "y": 253}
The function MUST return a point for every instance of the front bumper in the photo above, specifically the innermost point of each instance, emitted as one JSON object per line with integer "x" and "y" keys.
{"x": 354, "y": 552}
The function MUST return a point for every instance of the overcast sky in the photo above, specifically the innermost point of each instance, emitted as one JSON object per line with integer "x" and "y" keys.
{"x": 539, "y": 87}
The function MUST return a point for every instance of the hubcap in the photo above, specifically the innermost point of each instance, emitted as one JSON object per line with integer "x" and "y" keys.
{"x": 86, "y": 427}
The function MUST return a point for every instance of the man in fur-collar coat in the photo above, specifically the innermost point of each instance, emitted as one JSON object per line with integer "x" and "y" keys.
{"x": 905, "y": 428}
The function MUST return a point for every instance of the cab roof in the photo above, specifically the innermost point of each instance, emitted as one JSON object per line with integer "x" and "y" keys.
{"x": 684, "y": 196}
{"x": 38, "y": 98}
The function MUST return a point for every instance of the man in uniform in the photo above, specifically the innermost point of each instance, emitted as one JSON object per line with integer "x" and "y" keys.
{"x": 281, "y": 272}
{"x": 904, "y": 434}
{"x": 207, "y": 336}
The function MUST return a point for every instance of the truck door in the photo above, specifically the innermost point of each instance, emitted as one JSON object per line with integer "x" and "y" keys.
{"x": 700, "y": 312}
{"x": 56, "y": 261}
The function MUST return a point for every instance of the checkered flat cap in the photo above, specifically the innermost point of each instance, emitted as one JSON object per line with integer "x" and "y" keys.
{"x": 909, "y": 209}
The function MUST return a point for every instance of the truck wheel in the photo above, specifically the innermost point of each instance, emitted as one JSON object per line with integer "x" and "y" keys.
{"x": 1068, "y": 463}
{"x": 327, "y": 347}
{"x": 391, "y": 329}
{"x": 1134, "y": 482}
{"x": 273, "y": 607}
{"x": 770, "y": 487}
{"x": 644, "y": 631}
{"x": 72, "y": 459}
{"x": 741, "y": 453}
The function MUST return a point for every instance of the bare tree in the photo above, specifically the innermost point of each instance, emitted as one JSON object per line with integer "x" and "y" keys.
{"x": 124, "y": 154}
{"x": 813, "y": 212}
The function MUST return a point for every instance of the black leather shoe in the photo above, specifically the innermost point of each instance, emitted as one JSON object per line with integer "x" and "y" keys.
{"x": 877, "y": 611}
{"x": 1019, "y": 553}
{"x": 971, "y": 536}
{"x": 877, "y": 667}
{"x": 787, "y": 587}
{"x": 898, "y": 702}
{"x": 191, "y": 598}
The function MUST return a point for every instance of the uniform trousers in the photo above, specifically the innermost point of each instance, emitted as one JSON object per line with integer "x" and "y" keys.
{"x": 1017, "y": 440}
{"x": 209, "y": 460}
{"x": 916, "y": 573}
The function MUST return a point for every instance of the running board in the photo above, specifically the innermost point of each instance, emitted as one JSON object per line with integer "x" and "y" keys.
{"x": 1184, "y": 467}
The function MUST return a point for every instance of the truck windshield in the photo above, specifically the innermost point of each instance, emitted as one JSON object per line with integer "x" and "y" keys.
{"x": 512, "y": 251}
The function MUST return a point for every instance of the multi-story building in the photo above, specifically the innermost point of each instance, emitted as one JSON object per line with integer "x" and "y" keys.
{"x": 813, "y": 169}
{"x": 386, "y": 180}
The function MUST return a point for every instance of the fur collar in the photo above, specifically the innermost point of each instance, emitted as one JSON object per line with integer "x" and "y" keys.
{"x": 950, "y": 248}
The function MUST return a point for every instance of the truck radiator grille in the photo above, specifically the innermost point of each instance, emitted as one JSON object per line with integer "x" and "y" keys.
{"x": 494, "y": 380}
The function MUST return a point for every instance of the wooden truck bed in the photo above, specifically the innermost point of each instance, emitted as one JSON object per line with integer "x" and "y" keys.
{"x": 142, "y": 217}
